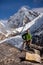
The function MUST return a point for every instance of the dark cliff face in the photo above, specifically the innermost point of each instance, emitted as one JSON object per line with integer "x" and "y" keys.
{"x": 37, "y": 31}
{"x": 38, "y": 40}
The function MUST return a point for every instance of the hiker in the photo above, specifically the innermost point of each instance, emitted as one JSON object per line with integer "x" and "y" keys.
{"x": 27, "y": 39}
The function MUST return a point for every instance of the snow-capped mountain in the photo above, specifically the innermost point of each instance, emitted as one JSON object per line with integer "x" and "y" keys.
{"x": 23, "y": 16}
{"x": 21, "y": 21}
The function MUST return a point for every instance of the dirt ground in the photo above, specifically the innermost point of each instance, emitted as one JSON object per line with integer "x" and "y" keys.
{"x": 9, "y": 55}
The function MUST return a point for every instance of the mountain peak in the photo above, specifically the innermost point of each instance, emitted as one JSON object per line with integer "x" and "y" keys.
{"x": 24, "y": 8}
{"x": 24, "y": 15}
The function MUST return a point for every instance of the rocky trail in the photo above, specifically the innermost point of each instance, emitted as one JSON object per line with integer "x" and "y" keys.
{"x": 12, "y": 56}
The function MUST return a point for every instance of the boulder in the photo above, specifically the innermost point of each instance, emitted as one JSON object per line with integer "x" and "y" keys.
{"x": 33, "y": 57}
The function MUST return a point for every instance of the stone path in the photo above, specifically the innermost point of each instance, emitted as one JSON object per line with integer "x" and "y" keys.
{"x": 12, "y": 56}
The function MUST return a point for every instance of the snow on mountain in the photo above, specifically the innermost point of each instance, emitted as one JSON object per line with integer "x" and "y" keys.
{"x": 23, "y": 16}
{"x": 38, "y": 24}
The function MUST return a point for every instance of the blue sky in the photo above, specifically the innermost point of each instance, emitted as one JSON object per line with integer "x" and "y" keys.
{"x": 9, "y": 7}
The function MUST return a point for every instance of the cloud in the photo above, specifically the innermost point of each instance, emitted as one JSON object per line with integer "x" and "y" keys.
{"x": 38, "y": 9}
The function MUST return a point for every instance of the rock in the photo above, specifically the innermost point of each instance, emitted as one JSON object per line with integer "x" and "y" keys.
{"x": 33, "y": 57}
{"x": 38, "y": 40}
{"x": 2, "y": 36}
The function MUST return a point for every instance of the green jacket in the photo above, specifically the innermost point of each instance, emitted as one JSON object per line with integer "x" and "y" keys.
{"x": 27, "y": 36}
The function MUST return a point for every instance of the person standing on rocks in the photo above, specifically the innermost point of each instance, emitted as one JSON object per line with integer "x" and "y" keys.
{"x": 27, "y": 37}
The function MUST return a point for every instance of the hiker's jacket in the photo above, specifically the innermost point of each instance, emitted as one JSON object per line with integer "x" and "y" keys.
{"x": 27, "y": 36}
